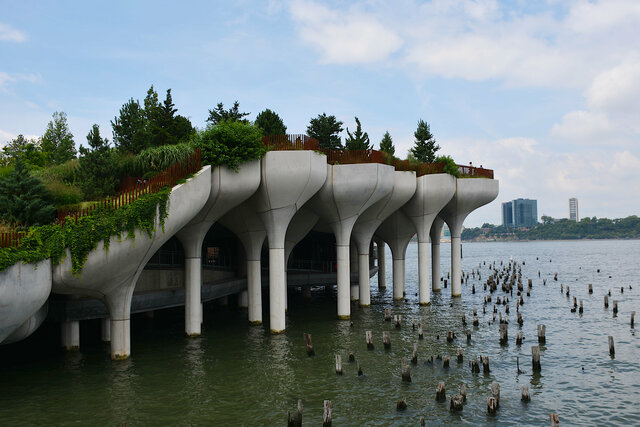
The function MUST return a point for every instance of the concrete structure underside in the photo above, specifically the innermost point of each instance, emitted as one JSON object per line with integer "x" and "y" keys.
{"x": 288, "y": 220}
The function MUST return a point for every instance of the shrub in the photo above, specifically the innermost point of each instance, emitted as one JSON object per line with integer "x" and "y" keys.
{"x": 64, "y": 194}
{"x": 230, "y": 143}
{"x": 156, "y": 159}
{"x": 450, "y": 166}
{"x": 66, "y": 172}
{"x": 23, "y": 198}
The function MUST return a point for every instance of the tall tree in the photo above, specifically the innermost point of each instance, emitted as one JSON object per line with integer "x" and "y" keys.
{"x": 29, "y": 151}
{"x": 233, "y": 114}
{"x": 270, "y": 123}
{"x": 386, "y": 144}
{"x": 359, "y": 140}
{"x": 23, "y": 198}
{"x": 129, "y": 128}
{"x": 425, "y": 147}
{"x": 97, "y": 166}
{"x": 57, "y": 141}
{"x": 326, "y": 129}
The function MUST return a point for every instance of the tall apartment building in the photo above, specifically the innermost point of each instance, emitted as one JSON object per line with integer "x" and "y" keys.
{"x": 573, "y": 209}
{"x": 520, "y": 213}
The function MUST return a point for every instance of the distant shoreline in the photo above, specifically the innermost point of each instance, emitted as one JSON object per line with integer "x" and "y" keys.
{"x": 544, "y": 240}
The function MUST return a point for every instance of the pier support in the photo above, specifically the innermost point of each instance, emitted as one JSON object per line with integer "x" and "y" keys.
{"x": 436, "y": 230}
{"x": 397, "y": 231}
{"x": 192, "y": 293}
{"x": 382, "y": 265}
{"x": 105, "y": 329}
{"x": 70, "y": 335}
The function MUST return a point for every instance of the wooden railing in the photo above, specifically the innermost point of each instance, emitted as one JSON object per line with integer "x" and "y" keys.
{"x": 290, "y": 142}
{"x": 471, "y": 171}
{"x": 11, "y": 238}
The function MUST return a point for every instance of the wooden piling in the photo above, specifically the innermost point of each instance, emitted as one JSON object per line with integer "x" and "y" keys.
{"x": 525, "y": 394}
{"x": 567, "y": 293}
{"x": 397, "y": 320}
{"x": 485, "y": 365}
{"x": 542, "y": 331}
{"x": 581, "y": 308}
{"x": 504, "y": 339}
{"x": 359, "y": 368}
{"x": 615, "y": 307}
{"x": 463, "y": 392}
{"x": 475, "y": 366}
{"x": 308, "y": 344}
{"x": 492, "y": 406}
{"x": 606, "y": 301}
{"x": 456, "y": 403}
{"x": 406, "y": 371}
{"x": 555, "y": 420}
{"x": 450, "y": 336}
{"x": 468, "y": 335}
{"x": 368, "y": 335}
{"x": 338, "y": 364}
{"x": 445, "y": 362}
{"x": 590, "y": 288}
{"x": 535, "y": 358}
{"x": 296, "y": 420}
{"x": 352, "y": 358}
{"x": 464, "y": 319}
{"x": 386, "y": 339}
{"x": 326, "y": 417}
{"x": 612, "y": 348}
{"x": 387, "y": 315}
{"x": 633, "y": 315}
{"x": 495, "y": 392}
{"x": 441, "y": 392}
{"x": 414, "y": 357}
{"x": 520, "y": 319}
{"x": 460, "y": 355}
{"x": 402, "y": 404}
{"x": 519, "y": 338}
{"x": 476, "y": 321}
{"x": 420, "y": 334}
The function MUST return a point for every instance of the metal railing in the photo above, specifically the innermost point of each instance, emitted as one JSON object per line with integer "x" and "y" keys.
{"x": 290, "y": 142}
{"x": 11, "y": 238}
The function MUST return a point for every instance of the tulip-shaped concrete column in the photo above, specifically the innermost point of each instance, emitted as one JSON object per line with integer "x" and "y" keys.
{"x": 112, "y": 274}
{"x": 228, "y": 189}
{"x": 301, "y": 224}
{"x": 404, "y": 185}
{"x": 248, "y": 227}
{"x": 397, "y": 231}
{"x": 471, "y": 193}
{"x": 289, "y": 179}
{"x": 436, "y": 230}
{"x": 433, "y": 192}
{"x": 382, "y": 264}
{"x": 347, "y": 193}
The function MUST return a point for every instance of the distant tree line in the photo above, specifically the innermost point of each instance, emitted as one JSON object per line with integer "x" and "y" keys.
{"x": 563, "y": 229}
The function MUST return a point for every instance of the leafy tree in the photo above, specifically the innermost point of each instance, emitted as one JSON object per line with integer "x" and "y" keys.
{"x": 97, "y": 166}
{"x": 233, "y": 114}
{"x": 57, "y": 141}
{"x": 450, "y": 166}
{"x": 386, "y": 144}
{"x": 129, "y": 128}
{"x": 23, "y": 198}
{"x": 270, "y": 123}
{"x": 326, "y": 129}
{"x": 425, "y": 146}
{"x": 230, "y": 143}
{"x": 29, "y": 151}
{"x": 359, "y": 140}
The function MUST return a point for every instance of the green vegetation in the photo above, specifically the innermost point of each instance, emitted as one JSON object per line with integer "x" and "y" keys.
{"x": 157, "y": 159}
{"x": 424, "y": 149}
{"x": 270, "y": 123}
{"x": 97, "y": 165}
{"x": 23, "y": 199}
{"x": 28, "y": 151}
{"x": 326, "y": 129}
{"x": 563, "y": 229}
{"x": 230, "y": 143}
{"x": 386, "y": 144}
{"x": 359, "y": 140}
{"x": 233, "y": 114}
{"x": 52, "y": 241}
{"x": 449, "y": 165}
{"x": 57, "y": 142}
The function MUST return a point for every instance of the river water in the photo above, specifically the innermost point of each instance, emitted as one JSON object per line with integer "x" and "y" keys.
{"x": 236, "y": 374}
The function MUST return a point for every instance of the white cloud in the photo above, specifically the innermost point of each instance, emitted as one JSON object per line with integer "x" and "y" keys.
{"x": 10, "y": 34}
{"x": 6, "y": 78}
{"x": 351, "y": 36}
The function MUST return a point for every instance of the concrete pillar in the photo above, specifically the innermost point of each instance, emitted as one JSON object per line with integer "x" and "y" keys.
{"x": 277, "y": 290}
{"x": 398, "y": 279}
{"x": 70, "y": 335}
{"x": 354, "y": 266}
{"x": 105, "y": 329}
{"x": 456, "y": 270}
{"x": 436, "y": 229}
{"x": 243, "y": 299}
{"x": 344, "y": 279}
{"x": 254, "y": 286}
{"x": 424, "y": 290}
{"x": 397, "y": 231}
{"x": 363, "y": 280}
{"x": 119, "y": 304}
{"x": 382, "y": 267}
{"x": 192, "y": 295}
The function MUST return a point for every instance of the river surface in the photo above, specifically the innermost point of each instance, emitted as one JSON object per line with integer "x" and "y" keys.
{"x": 236, "y": 374}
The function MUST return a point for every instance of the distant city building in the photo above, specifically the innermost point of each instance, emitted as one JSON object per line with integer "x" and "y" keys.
{"x": 507, "y": 215}
{"x": 520, "y": 213}
{"x": 573, "y": 209}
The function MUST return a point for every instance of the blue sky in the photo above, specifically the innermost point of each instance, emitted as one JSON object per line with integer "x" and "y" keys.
{"x": 546, "y": 93}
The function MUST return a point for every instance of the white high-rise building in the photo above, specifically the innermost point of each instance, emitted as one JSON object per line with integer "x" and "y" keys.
{"x": 573, "y": 209}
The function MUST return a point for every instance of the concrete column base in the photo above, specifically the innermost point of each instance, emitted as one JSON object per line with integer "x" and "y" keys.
{"x": 70, "y": 335}
{"x": 456, "y": 271}
{"x": 192, "y": 296}
{"x": 105, "y": 329}
{"x": 344, "y": 281}
{"x": 398, "y": 279}
{"x": 120, "y": 339}
{"x": 277, "y": 291}
{"x": 424, "y": 288}
{"x": 382, "y": 267}
{"x": 364, "y": 284}
{"x": 254, "y": 291}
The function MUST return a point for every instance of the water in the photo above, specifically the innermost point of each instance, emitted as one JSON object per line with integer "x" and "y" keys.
{"x": 235, "y": 374}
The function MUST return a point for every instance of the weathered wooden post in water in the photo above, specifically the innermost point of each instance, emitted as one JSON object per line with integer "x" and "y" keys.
{"x": 633, "y": 315}
{"x": 386, "y": 339}
{"x": 504, "y": 339}
{"x": 555, "y": 420}
{"x": 460, "y": 353}
{"x": 590, "y": 288}
{"x": 525, "y": 394}
{"x": 615, "y": 307}
{"x": 414, "y": 358}
{"x": 612, "y": 348}
{"x": 441, "y": 392}
{"x": 296, "y": 421}
{"x": 450, "y": 336}
{"x": 338, "y": 364}
{"x": 420, "y": 334}
{"x": 326, "y": 417}
{"x": 387, "y": 315}
{"x": 397, "y": 319}
{"x": 485, "y": 365}
{"x": 542, "y": 331}
{"x": 401, "y": 405}
{"x": 456, "y": 403}
{"x": 445, "y": 362}
{"x": 309, "y": 344}
{"x": 519, "y": 338}
{"x": 606, "y": 301}
{"x": 406, "y": 371}
{"x": 535, "y": 358}
{"x": 475, "y": 366}
{"x": 368, "y": 336}
{"x": 495, "y": 393}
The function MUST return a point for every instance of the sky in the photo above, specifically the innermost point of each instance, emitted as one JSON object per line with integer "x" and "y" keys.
{"x": 546, "y": 93}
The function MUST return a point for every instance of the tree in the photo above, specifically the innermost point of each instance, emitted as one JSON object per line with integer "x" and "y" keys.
{"x": 358, "y": 140}
{"x": 386, "y": 144}
{"x": 23, "y": 198}
{"x": 128, "y": 128}
{"x": 231, "y": 143}
{"x": 97, "y": 166}
{"x": 233, "y": 114}
{"x": 326, "y": 129}
{"x": 270, "y": 123}
{"x": 425, "y": 146}
{"x": 29, "y": 151}
{"x": 57, "y": 141}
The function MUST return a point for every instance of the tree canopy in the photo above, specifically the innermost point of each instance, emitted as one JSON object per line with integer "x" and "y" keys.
{"x": 57, "y": 141}
{"x": 230, "y": 143}
{"x": 326, "y": 129}
{"x": 97, "y": 166}
{"x": 359, "y": 140}
{"x": 270, "y": 123}
{"x": 386, "y": 144}
{"x": 425, "y": 148}
{"x": 23, "y": 198}
{"x": 233, "y": 114}
{"x": 29, "y": 151}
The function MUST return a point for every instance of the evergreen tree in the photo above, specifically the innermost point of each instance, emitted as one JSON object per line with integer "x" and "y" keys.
{"x": 358, "y": 140}
{"x": 233, "y": 114}
{"x": 23, "y": 198}
{"x": 129, "y": 128}
{"x": 57, "y": 141}
{"x": 326, "y": 129}
{"x": 270, "y": 123}
{"x": 425, "y": 146}
{"x": 29, "y": 151}
{"x": 386, "y": 144}
{"x": 97, "y": 166}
